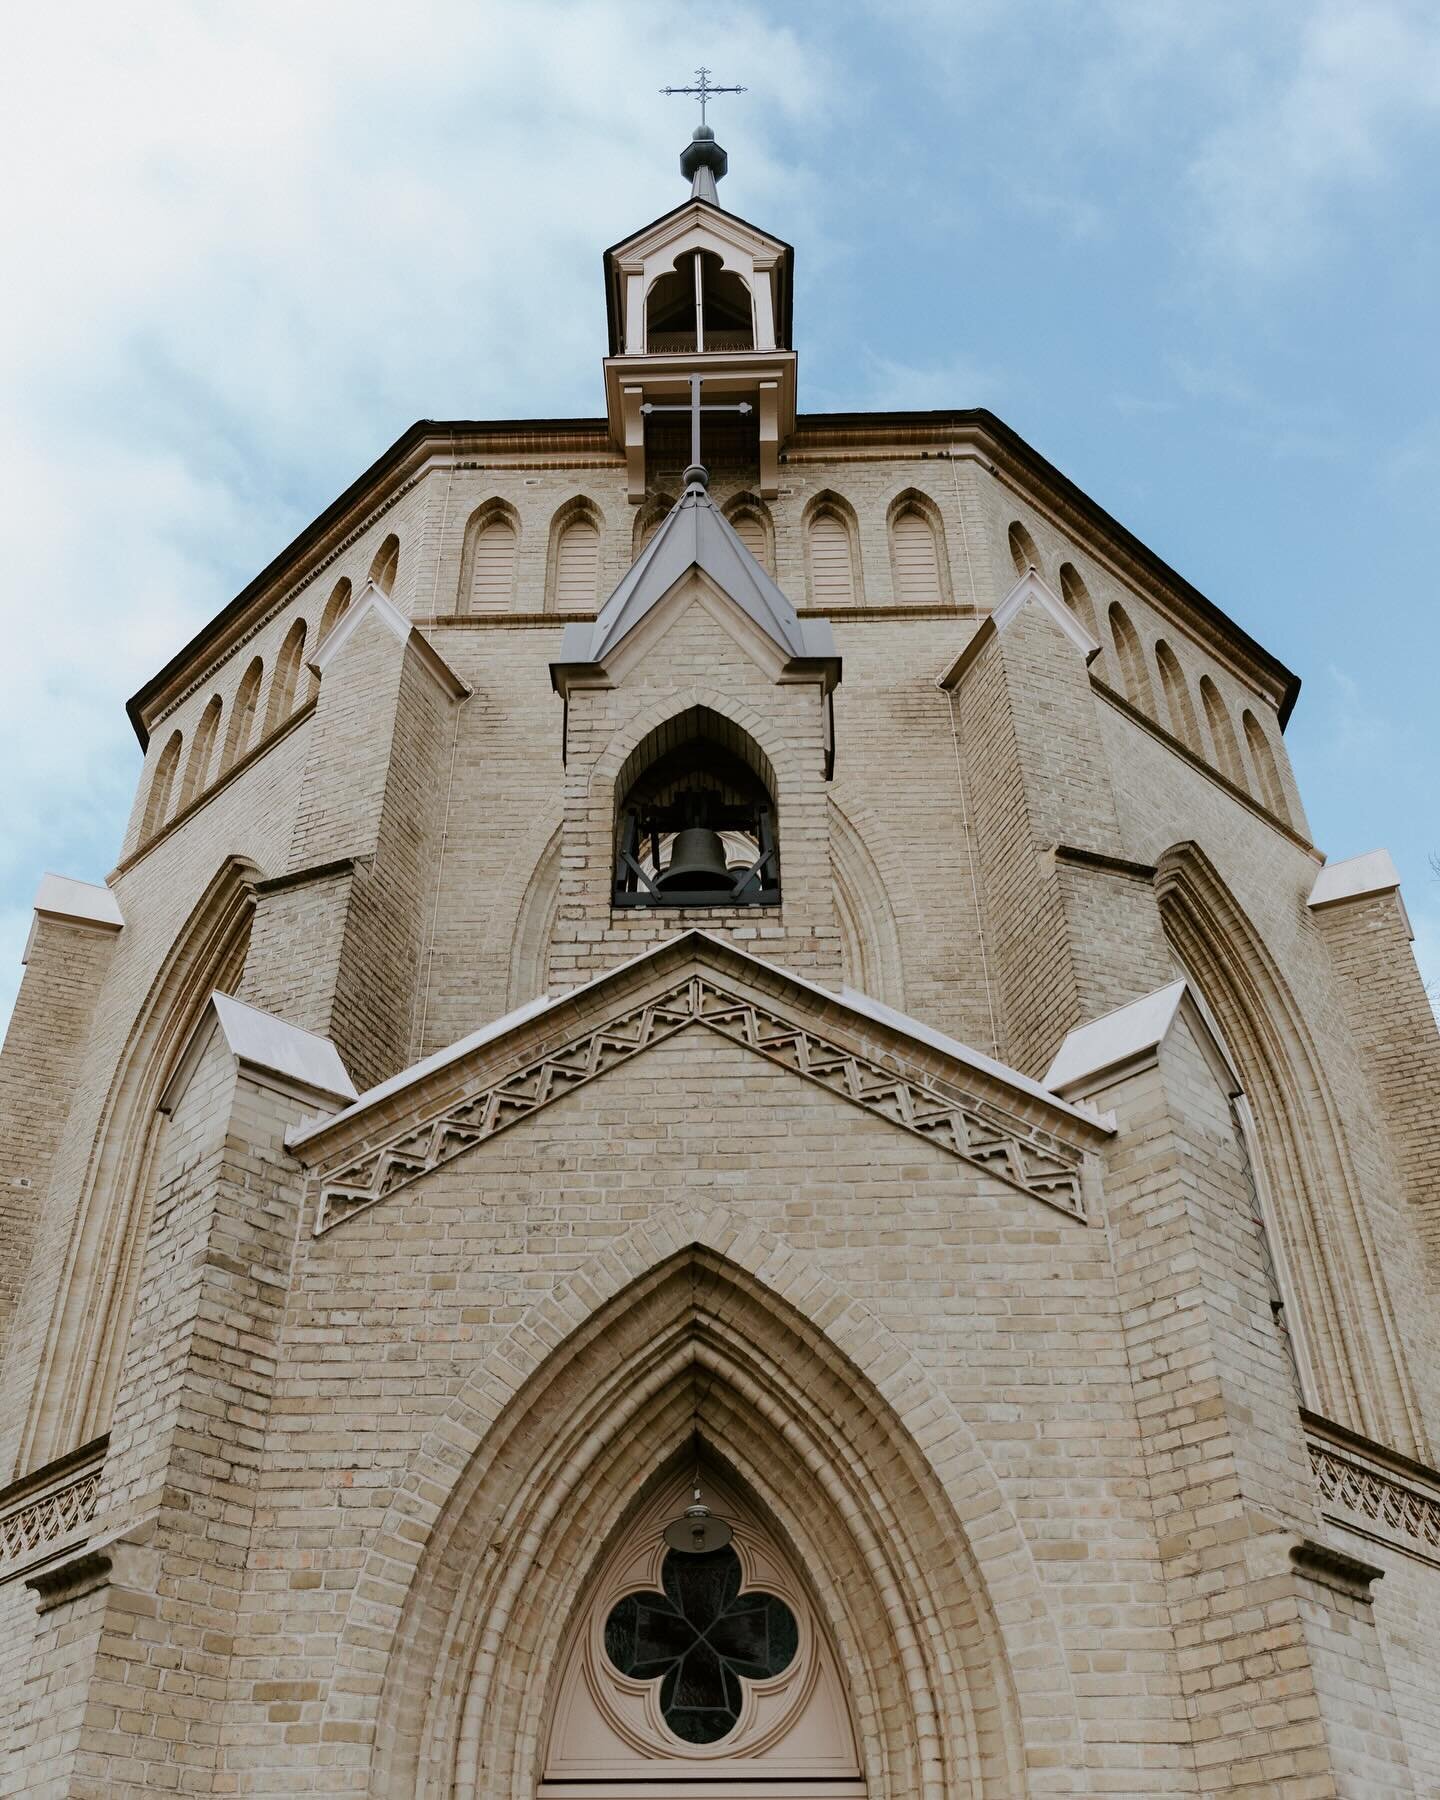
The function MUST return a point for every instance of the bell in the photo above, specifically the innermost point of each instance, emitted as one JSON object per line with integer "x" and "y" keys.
{"x": 697, "y": 864}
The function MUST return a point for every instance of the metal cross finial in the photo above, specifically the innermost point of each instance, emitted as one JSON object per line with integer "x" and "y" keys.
{"x": 694, "y": 407}
{"x": 704, "y": 89}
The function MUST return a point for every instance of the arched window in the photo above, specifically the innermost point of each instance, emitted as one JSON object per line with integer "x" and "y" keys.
{"x": 487, "y": 566}
{"x": 701, "y": 1664}
{"x": 722, "y": 320}
{"x": 751, "y": 521}
{"x": 915, "y": 555}
{"x": 1267, "y": 772}
{"x": 242, "y": 714}
{"x": 162, "y": 786}
{"x": 695, "y": 820}
{"x": 649, "y": 520}
{"x": 336, "y": 608}
{"x": 575, "y": 559}
{"x": 198, "y": 770}
{"x": 1222, "y": 732}
{"x": 1177, "y": 696}
{"x": 385, "y": 569}
{"x": 286, "y": 679}
{"x": 1023, "y": 553}
{"x": 750, "y": 529}
{"x": 830, "y": 552}
{"x": 1076, "y": 596}
{"x": 1134, "y": 676}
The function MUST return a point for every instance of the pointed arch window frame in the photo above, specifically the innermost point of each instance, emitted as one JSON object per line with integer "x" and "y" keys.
{"x": 635, "y": 885}
{"x": 912, "y": 501}
{"x": 830, "y": 505}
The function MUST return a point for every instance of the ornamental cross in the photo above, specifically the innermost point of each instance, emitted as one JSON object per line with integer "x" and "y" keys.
{"x": 694, "y": 408}
{"x": 704, "y": 89}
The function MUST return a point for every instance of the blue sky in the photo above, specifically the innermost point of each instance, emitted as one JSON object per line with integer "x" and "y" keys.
{"x": 1187, "y": 250}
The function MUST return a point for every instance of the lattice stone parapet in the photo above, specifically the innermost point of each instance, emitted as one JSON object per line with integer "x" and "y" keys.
{"x": 38, "y": 1519}
{"x": 974, "y": 1131}
{"x": 1384, "y": 1500}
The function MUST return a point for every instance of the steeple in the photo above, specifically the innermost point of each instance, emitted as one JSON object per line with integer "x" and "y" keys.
{"x": 700, "y": 295}
{"x": 704, "y": 163}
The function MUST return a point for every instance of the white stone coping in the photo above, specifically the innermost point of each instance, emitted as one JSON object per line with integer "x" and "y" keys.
{"x": 372, "y": 600}
{"x": 73, "y": 903}
{"x": 1117, "y": 1038}
{"x": 86, "y": 902}
{"x": 266, "y": 1046}
{"x": 1030, "y": 588}
{"x": 1356, "y": 878}
{"x": 849, "y": 998}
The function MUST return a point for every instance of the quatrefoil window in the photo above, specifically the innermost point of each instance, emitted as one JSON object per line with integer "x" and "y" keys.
{"x": 703, "y": 1638}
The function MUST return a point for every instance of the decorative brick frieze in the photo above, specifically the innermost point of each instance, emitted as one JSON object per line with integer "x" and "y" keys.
{"x": 1389, "y": 1504}
{"x": 51, "y": 1512}
{"x": 974, "y": 1131}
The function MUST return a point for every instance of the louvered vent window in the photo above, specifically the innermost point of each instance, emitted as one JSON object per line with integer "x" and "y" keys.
{"x": 751, "y": 532}
{"x": 492, "y": 585}
{"x": 832, "y": 575}
{"x": 917, "y": 570}
{"x": 577, "y": 567}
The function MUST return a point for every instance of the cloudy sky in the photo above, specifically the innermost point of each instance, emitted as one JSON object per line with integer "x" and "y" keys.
{"x": 1187, "y": 248}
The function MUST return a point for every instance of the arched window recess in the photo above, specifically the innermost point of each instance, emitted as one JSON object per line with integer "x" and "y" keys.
{"x": 699, "y": 305}
{"x": 695, "y": 819}
{"x": 700, "y": 1654}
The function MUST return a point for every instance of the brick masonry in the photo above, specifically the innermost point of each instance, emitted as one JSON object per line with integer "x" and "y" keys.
{"x": 1048, "y": 1475}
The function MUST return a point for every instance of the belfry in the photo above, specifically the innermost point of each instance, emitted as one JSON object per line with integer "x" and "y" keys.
{"x": 719, "y": 1136}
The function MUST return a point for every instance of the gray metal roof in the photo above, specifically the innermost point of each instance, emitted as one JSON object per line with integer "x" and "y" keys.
{"x": 695, "y": 534}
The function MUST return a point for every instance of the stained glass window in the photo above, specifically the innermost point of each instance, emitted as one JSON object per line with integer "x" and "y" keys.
{"x": 703, "y": 1637}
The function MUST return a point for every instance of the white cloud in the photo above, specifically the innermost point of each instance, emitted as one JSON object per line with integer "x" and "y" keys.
{"x": 1313, "y": 127}
{"x": 1248, "y": 129}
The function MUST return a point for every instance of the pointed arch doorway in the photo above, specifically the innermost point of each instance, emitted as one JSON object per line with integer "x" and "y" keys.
{"x": 699, "y": 1675}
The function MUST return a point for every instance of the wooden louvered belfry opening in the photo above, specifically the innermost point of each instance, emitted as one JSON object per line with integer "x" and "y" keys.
{"x": 832, "y": 567}
{"x": 492, "y": 569}
{"x": 917, "y": 564}
{"x": 750, "y": 529}
{"x": 577, "y": 566}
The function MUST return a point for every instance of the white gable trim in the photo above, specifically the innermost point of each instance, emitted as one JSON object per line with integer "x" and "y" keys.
{"x": 859, "y": 1005}
{"x": 373, "y": 603}
{"x": 1030, "y": 590}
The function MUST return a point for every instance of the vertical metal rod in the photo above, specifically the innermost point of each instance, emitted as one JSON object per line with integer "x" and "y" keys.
{"x": 694, "y": 419}
{"x": 699, "y": 309}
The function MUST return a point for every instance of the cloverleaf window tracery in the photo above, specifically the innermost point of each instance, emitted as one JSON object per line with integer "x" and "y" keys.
{"x": 702, "y": 1638}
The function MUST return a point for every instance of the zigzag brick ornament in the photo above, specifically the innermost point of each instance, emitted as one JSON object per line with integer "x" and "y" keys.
{"x": 719, "y": 1136}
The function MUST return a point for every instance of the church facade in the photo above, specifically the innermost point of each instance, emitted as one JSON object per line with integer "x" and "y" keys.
{"x": 720, "y": 1136}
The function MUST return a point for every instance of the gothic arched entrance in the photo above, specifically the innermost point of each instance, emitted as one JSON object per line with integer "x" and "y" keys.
{"x": 502, "y": 1538}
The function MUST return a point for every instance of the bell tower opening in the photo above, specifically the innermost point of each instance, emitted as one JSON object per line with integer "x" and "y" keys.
{"x": 699, "y": 305}
{"x": 695, "y": 818}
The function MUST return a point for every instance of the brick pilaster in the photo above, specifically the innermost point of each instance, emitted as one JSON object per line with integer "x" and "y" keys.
{"x": 1281, "y": 1674}
{"x": 127, "y": 1681}
{"x": 48, "y": 1033}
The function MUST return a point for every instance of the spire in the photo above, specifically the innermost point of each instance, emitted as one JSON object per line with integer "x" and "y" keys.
{"x": 705, "y": 163}
{"x": 702, "y": 161}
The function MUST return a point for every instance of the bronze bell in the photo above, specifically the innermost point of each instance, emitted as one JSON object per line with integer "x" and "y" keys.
{"x": 697, "y": 864}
